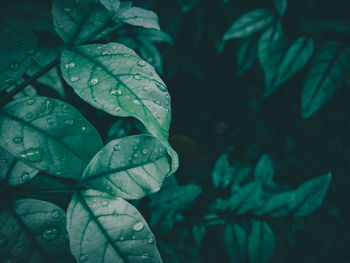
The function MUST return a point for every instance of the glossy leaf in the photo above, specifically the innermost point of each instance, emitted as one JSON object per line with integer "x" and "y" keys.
{"x": 13, "y": 171}
{"x": 198, "y": 233}
{"x": 295, "y": 59}
{"x": 235, "y": 242}
{"x": 327, "y": 73}
{"x": 48, "y": 134}
{"x": 246, "y": 54}
{"x": 261, "y": 242}
{"x": 17, "y": 49}
{"x": 249, "y": 24}
{"x": 151, "y": 54}
{"x": 281, "y": 204}
{"x": 115, "y": 79}
{"x": 309, "y": 195}
{"x": 246, "y": 199}
{"x": 281, "y": 6}
{"x": 153, "y": 35}
{"x": 264, "y": 170}
{"x": 106, "y": 229}
{"x": 77, "y": 21}
{"x": 137, "y": 16}
{"x": 130, "y": 167}
{"x": 34, "y": 231}
{"x": 222, "y": 174}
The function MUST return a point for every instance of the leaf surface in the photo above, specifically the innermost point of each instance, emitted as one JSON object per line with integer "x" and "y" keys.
{"x": 246, "y": 54}
{"x": 222, "y": 174}
{"x": 235, "y": 242}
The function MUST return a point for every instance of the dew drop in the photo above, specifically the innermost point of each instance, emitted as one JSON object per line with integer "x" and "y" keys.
{"x": 144, "y": 151}
{"x": 17, "y": 140}
{"x": 50, "y": 106}
{"x": 29, "y": 115}
{"x": 83, "y": 258}
{"x": 74, "y": 79}
{"x": 32, "y": 155}
{"x": 160, "y": 86}
{"x": 136, "y": 102}
{"x": 138, "y": 226}
{"x": 141, "y": 63}
{"x": 119, "y": 92}
{"x": 25, "y": 177}
{"x": 69, "y": 122}
{"x": 65, "y": 107}
{"x": 126, "y": 55}
{"x": 105, "y": 203}
{"x": 3, "y": 241}
{"x": 157, "y": 102}
{"x": 50, "y": 121}
{"x": 67, "y": 9}
{"x": 93, "y": 81}
{"x": 9, "y": 81}
{"x": 106, "y": 52}
{"x": 144, "y": 88}
{"x": 150, "y": 241}
{"x": 136, "y": 155}
{"x": 145, "y": 256}
{"x": 117, "y": 108}
{"x": 113, "y": 92}
{"x": 137, "y": 76}
{"x": 69, "y": 65}
{"x": 56, "y": 214}
{"x": 116, "y": 147}
{"x": 14, "y": 66}
{"x": 122, "y": 238}
{"x": 50, "y": 234}
{"x": 30, "y": 101}
{"x": 30, "y": 52}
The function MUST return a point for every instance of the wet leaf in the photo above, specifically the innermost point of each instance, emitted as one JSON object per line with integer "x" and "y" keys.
{"x": 235, "y": 242}
{"x": 137, "y": 16}
{"x": 151, "y": 54}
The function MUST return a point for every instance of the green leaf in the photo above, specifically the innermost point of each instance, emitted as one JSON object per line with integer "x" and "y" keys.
{"x": 278, "y": 205}
{"x": 17, "y": 49}
{"x": 115, "y": 79}
{"x": 48, "y": 134}
{"x": 295, "y": 59}
{"x": 271, "y": 49}
{"x": 187, "y": 5}
{"x": 246, "y": 199}
{"x": 77, "y": 21}
{"x": 261, "y": 242}
{"x": 327, "y": 73}
{"x": 151, "y": 54}
{"x": 222, "y": 174}
{"x": 309, "y": 196}
{"x": 249, "y": 24}
{"x": 198, "y": 233}
{"x": 239, "y": 176}
{"x": 106, "y": 229}
{"x": 281, "y": 6}
{"x": 137, "y": 16}
{"x": 131, "y": 167}
{"x": 153, "y": 35}
{"x": 246, "y": 54}
{"x": 111, "y": 5}
{"x": 34, "y": 231}
{"x": 13, "y": 171}
{"x": 235, "y": 242}
{"x": 264, "y": 170}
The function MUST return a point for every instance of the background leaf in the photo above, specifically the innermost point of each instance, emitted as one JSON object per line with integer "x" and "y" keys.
{"x": 235, "y": 242}
{"x": 246, "y": 54}
{"x": 198, "y": 234}
{"x": 281, "y": 6}
{"x": 138, "y": 16}
{"x": 222, "y": 174}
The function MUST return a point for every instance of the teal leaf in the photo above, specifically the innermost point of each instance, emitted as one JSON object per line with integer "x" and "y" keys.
{"x": 17, "y": 49}
{"x": 115, "y": 79}
{"x": 78, "y": 21}
{"x": 261, "y": 242}
{"x": 153, "y": 35}
{"x": 280, "y": 204}
{"x": 33, "y": 231}
{"x": 295, "y": 59}
{"x": 138, "y": 16}
{"x": 309, "y": 195}
{"x": 106, "y": 229}
{"x": 130, "y": 167}
{"x": 249, "y": 24}
{"x": 327, "y": 73}
{"x": 246, "y": 54}
{"x": 246, "y": 199}
{"x": 222, "y": 174}
{"x": 239, "y": 176}
{"x": 13, "y": 171}
{"x": 271, "y": 49}
{"x": 198, "y": 232}
{"x": 281, "y": 6}
{"x": 235, "y": 242}
{"x": 48, "y": 134}
{"x": 264, "y": 170}
{"x": 187, "y": 5}
{"x": 151, "y": 54}
{"x": 111, "y": 5}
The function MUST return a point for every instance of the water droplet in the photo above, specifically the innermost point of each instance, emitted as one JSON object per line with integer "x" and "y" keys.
{"x": 160, "y": 86}
{"x": 136, "y": 155}
{"x": 93, "y": 81}
{"x": 14, "y": 66}
{"x": 69, "y": 65}
{"x": 119, "y": 92}
{"x": 138, "y": 226}
{"x": 105, "y": 203}
{"x": 136, "y": 102}
{"x": 9, "y": 81}
{"x": 113, "y": 92}
{"x": 73, "y": 79}
{"x": 69, "y": 122}
{"x": 83, "y": 128}
{"x": 157, "y": 102}
{"x": 3, "y": 241}
{"x": 17, "y": 140}
{"x": 141, "y": 63}
{"x": 65, "y": 107}
{"x": 122, "y": 238}
{"x": 144, "y": 88}
{"x": 58, "y": 173}
{"x": 29, "y": 115}
{"x": 67, "y": 9}
{"x": 83, "y": 258}
{"x": 32, "y": 155}
{"x": 144, "y": 151}
{"x": 137, "y": 76}
{"x": 56, "y": 214}
{"x": 25, "y": 177}
{"x": 30, "y": 52}
{"x": 133, "y": 237}
{"x": 50, "y": 105}
{"x": 126, "y": 55}
{"x": 150, "y": 241}
{"x": 116, "y": 147}
{"x": 106, "y": 52}
{"x": 145, "y": 256}
{"x": 117, "y": 108}
{"x": 30, "y": 101}
{"x": 50, "y": 234}
{"x": 51, "y": 121}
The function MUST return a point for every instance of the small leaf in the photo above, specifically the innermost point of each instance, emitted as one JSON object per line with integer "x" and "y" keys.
{"x": 235, "y": 242}
{"x": 278, "y": 205}
{"x": 48, "y": 134}
{"x": 281, "y": 6}
{"x": 34, "y": 231}
{"x": 131, "y": 167}
{"x": 77, "y": 21}
{"x": 246, "y": 54}
{"x": 328, "y": 72}
{"x": 249, "y": 24}
{"x": 137, "y": 16}
{"x": 246, "y": 199}
{"x": 309, "y": 196}
{"x": 111, "y": 5}
{"x": 264, "y": 170}
{"x": 295, "y": 59}
{"x": 17, "y": 49}
{"x": 198, "y": 232}
{"x": 13, "y": 171}
{"x": 151, "y": 54}
{"x": 261, "y": 242}
{"x": 152, "y": 35}
{"x": 106, "y": 229}
{"x": 187, "y": 5}
{"x": 222, "y": 174}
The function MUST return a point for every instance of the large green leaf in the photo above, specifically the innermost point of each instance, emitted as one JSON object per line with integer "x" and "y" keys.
{"x": 115, "y": 79}
{"x": 329, "y": 70}
{"x": 106, "y": 229}
{"x": 131, "y": 167}
{"x": 280, "y": 204}
{"x": 249, "y": 23}
{"x": 222, "y": 174}
{"x": 187, "y": 5}
{"x": 261, "y": 242}
{"x": 77, "y": 21}
{"x": 13, "y": 171}
{"x": 33, "y": 231}
{"x": 246, "y": 54}
{"x": 235, "y": 242}
{"x": 17, "y": 49}
{"x": 48, "y": 134}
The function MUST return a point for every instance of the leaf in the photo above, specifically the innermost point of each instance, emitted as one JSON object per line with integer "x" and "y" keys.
{"x": 261, "y": 242}
{"x": 264, "y": 170}
{"x": 17, "y": 49}
{"x": 271, "y": 49}
{"x": 249, "y": 24}
{"x": 137, "y": 16}
{"x": 309, "y": 196}
{"x": 198, "y": 232}
{"x": 153, "y": 35}
{"x": 295, "y": 59}
{"x": 278, "y": 205}
{"x": 115, "y": 79}
{"x": 191, "y": 67}
{"x": 77, "y": 21}
{"x": 151, "y": 54}
{"x": 111, "y": 5}
{"x": 106, "y": 229}
{"x": 34, "y": 231}
{"x": 13, "y": 171}
{"x": 235, "y": 242}
{"x": 281, "y": 6}
{"x": 130, "y": 167}
{"x": 239, "y": 176}
{"x": 187, "y": 5}
{"x": 48, "y": 134}
{"x": 327, "y": 73}
{"x": 222, "y": 174}
{"x": 246, "y": 199}
{"x": 246, "y": 54}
